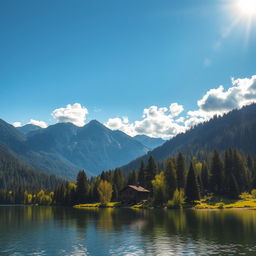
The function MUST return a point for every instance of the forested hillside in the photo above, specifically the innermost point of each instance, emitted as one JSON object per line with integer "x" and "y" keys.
{"x": 234, "y": 130}
{"x": 14, "y": 174}
{"x": 63, "y": 149}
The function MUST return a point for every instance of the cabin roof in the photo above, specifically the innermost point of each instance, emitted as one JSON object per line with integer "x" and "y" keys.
{"x": 137, "y": 188}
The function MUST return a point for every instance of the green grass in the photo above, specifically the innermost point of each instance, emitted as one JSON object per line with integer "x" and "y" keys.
{"x": 213, "y": 203}
{"x": 97, "y": 205}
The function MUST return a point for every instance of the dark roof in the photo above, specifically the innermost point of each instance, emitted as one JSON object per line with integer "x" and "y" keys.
{"x": 137, "y": 188}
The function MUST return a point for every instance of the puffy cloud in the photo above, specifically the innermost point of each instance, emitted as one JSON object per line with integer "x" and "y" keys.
{"x": 41, "y": 124}
{"x": 156, "y": 122}
{"x": 75, "y": 114}
{"x": 176, "y": 109}
{"x": 121, "y": 124}
{"x": 17, "y": 124}
{"x": 241, "y": 93}
{"x": 167, "y": 122}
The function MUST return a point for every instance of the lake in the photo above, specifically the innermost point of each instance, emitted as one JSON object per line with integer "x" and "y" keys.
{"x": 34, "y": 230}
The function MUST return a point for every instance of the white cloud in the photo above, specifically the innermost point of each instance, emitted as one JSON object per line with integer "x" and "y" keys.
{"x": 176, "y": 109}
{"x": 17, "y": 124}
{"x": 167, "y": 122}
{"x": 241, "y": 93}
{"x": 156, "y": 122}
{"x": 75, "y": 114}
{"x": 41, "y": 124}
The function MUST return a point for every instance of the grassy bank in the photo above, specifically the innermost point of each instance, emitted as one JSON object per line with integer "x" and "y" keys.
{"x": 97, "y": 205}
{"x": 246, "y": 200}
{"x": 215, "y": 203}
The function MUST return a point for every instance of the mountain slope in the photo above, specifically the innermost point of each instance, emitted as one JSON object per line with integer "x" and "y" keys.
{"x": 62, "y": 149}
{"x": 28, "y": 128}
{"x": 16, "y": 142}
{"x": 93, "y": 147}
{"x": 15, "y": 174}
{"x": 234, "y": 130}
{"x": 149, "y": 142}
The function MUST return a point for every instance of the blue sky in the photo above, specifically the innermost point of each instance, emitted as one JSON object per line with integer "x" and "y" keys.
{"x": 118, "y": 57}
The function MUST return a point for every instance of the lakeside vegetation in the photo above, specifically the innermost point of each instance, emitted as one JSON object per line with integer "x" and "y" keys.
{"x": 215, "y": 182}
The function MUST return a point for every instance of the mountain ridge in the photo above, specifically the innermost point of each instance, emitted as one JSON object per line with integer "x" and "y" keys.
{"x": 233, "y": 130}
{"x": 63, "y": 148}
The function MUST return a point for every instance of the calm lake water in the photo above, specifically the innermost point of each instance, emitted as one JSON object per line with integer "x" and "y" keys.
{"x": 32, "y": 230}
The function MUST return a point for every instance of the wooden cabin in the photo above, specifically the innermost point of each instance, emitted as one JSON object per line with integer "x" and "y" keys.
{"x": 133, "y": 194}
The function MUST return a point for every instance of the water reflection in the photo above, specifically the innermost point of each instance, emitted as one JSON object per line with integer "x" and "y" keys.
{"x": 30, "y": 230}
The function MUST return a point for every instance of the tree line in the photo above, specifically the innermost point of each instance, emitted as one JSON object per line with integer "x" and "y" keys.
{"x": 175, "y": 181}
{"x": 225, "y": 174}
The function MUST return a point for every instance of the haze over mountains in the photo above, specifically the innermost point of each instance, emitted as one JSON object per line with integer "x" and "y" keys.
{"x": 16, "y": 174}
{"x": 63, "y": 149}
{"x": 237, "y": 129}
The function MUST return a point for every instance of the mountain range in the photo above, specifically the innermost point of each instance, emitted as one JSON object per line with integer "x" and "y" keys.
{"x": 236, "y": 129}
{"x": 63, "y": 149}
{"x": 15, "y": 174}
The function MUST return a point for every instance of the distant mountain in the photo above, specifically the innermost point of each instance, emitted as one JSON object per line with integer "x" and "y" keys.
{"x": 62, "y": 149}
{"x": 16, "y": 142}
{"x": 237, "y": 129}
{"x": 149, "y": 142}
{"x": 93, "y": 147}
{"x": 14, "y": 174}
{"x": 28, "y": 128}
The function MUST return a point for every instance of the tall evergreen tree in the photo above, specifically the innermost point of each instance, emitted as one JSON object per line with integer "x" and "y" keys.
{"x": 170, "y": 177}
{"x": 192, "y": 187}
{"x": 241, "y": 172}
{"x": 118, "y": 182}
{"x": 133, "y": 178}
{"x": 180, "y": 171}
{"x": 217, "y": 174}
{"x": 141, "y": 174}
{"x": 82, "y": 189}
{"x": 205, "y": 178}
{"x": 150, "y": 173}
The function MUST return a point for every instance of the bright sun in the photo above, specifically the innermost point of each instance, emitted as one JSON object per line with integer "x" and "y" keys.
{"x": 247, "y": 7}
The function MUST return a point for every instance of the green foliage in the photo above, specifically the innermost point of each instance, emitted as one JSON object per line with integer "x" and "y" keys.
{"x": 105, "y": 192}
{"x": 118, "y": 181}
{"x": 141, "y": 174}
{"x": 217, "y": 174}
{"x": 253, "y": 192}
{"x": 178, "y": 199}
{"x": 245, "y": 196}
{"x": 82, "y": 187}
{"x": 159, "y": 189}
{"x": 150, "y": 172}
{"x": 192, "y": 188}
{"x": 170, "y": 177}
{"x": 180, "y": 171}
{"x": 204, "y": 179}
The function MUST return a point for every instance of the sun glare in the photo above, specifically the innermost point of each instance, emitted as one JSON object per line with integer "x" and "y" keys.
{"x": 247, "y": 7}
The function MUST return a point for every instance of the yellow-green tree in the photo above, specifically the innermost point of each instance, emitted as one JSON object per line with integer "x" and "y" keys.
{"x": 105, "y": 192}
{"x": 159, "y": 189}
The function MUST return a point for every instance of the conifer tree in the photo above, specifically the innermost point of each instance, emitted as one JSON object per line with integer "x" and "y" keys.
{"x": 170, "y": 177}
{"x": 150, "y": 173}
{"x": 180, "y": 171}
{"x": 217, "y": 174}
{"x": 133, "y": 178}
{"x": 118, "y": 182}
{"x": 82, "y": 190}
{"x": 192, "y": 187}
{"x": 205, "y": 178}
{"x": 141, "y": 174}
